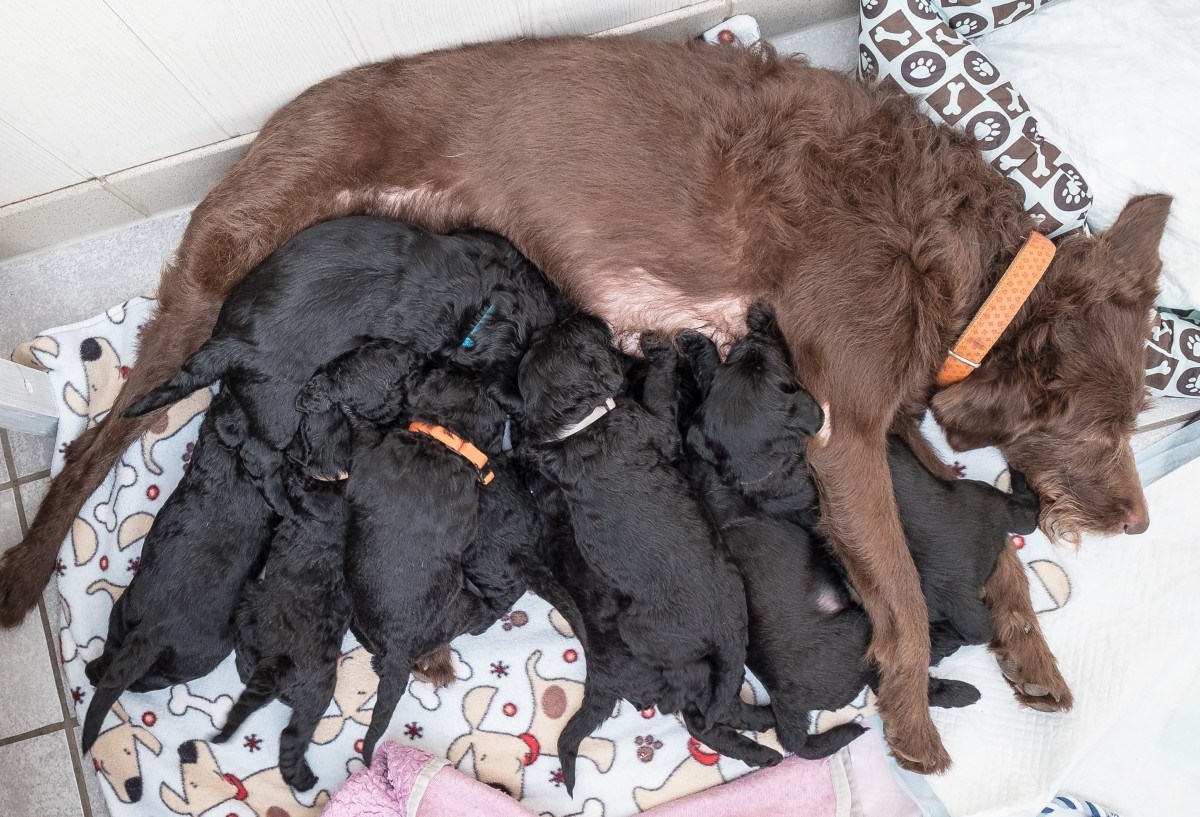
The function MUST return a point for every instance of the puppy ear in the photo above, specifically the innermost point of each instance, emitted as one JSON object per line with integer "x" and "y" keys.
{"x": 985, "y": 409}
{"x": 508, "y": 397}
{"x": 1136, "y": 234}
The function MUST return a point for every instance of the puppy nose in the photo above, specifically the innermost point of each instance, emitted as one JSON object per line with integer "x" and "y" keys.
{"x": 1137, "y": 521}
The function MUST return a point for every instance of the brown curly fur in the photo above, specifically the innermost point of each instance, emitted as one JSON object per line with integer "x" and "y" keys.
{"x": 666, "y": 186}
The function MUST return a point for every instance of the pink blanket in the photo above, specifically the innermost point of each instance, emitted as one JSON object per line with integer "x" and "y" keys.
{"x": 404, "y": 781}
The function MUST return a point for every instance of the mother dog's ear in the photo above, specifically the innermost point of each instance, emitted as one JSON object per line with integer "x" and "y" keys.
{"x": 985, "y": 409}
{"x": 1135, "y": 235}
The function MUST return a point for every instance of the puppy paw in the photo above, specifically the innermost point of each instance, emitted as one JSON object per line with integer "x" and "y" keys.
{"x": 759, "y": 318}
{"x": 301, "y": 778}
{"x": 947, "y": 693}
{"x": 657, "y": 346}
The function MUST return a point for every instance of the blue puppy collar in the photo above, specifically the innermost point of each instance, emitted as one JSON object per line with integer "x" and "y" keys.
{"x": 469, "y": 340}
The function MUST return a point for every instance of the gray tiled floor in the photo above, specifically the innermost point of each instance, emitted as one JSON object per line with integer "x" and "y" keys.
{"x": 40, "y": 768}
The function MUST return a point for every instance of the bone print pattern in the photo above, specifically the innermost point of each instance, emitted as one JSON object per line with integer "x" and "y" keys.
{"x": 924, "y": 47}
{"x": 1173, "y": 354}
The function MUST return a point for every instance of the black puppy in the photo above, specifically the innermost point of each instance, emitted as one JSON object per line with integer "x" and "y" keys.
{"x": 174, "y": 621}
{"x": 746, "y": 449}
{"x": 664, "y": 613}
{"x": 335, "y": 284}
{"x": 290, "y": 624}
{"x": 443, "y": 533}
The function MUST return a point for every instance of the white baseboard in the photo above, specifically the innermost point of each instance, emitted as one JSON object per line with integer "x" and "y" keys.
{"x": 180, "y": 181}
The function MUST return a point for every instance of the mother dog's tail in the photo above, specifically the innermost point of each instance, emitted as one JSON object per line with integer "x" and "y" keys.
{"x": 167, "y": 339}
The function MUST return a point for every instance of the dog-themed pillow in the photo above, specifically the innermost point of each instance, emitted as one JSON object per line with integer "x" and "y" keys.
{"x": 921, "y": 47}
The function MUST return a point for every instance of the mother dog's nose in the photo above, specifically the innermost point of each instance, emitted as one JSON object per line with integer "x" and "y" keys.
{"x": 1137, "y": 520}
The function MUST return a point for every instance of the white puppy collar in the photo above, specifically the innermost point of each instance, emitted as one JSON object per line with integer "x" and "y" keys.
{"x": 599, "y": 411}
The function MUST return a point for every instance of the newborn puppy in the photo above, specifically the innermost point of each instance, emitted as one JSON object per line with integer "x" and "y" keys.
{"x": 290, "y": 624}
{"x": 955, "y": 531}
{"x": 665, "y": 619}
{"x": 442, "y": 531}
{"x": 174, "y": 621}
{"x": 333, "y": 285}
{"x": 746, "y": 449}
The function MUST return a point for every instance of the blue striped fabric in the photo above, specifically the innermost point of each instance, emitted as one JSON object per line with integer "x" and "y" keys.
{"x": 1063, "y": 805}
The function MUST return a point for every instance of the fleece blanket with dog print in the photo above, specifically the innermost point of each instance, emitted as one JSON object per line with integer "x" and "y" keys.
{"x": 517, "y": 684}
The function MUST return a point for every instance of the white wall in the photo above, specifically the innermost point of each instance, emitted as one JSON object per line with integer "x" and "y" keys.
{"x": 91, "y": 87}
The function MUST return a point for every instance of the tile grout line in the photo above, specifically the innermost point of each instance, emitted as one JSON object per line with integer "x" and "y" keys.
{"x": 41, "y": 731}
{"x": 8, "y": 458}
{"x": 25, "y": 480}
{"x": 34, "y": 477}
{"x": 68, "y": 721}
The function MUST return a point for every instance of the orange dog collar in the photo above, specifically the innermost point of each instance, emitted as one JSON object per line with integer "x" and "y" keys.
{"x": 997, "y": 312}
{"x": 459, "y": 446}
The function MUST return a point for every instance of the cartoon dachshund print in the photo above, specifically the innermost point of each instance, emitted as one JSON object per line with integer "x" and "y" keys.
{"x": 500, "y": 758}
{"x": 115, "y": 756}
{"x": 205, "y": 787}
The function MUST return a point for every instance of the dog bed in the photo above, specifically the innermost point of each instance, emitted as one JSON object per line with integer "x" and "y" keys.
{"x": 521, "y": 680}
{"x": 517, "y": 684}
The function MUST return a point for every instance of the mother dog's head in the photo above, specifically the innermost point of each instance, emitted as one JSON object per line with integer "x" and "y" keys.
{"x": 1061, "y": 392}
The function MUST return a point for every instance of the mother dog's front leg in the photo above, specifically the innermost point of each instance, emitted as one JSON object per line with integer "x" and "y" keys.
{"x": 1020, "y": 648}
{"x": 863, "y": 525}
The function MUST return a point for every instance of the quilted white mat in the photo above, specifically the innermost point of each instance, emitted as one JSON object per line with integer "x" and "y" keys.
{"x": 1123, "y": 617}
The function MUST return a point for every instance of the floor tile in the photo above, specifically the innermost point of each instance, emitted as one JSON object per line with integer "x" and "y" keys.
{"x": 4, "y": 475}
{"x": 30, "y": 698}
{"x": 32, "y": 494}
{"x": 37, "y": 778}
{"x": 81, "y": 280}
{"x": 31, "y": 453}
{"x": 10, "y": 524}
{"x": 95, "y": 789}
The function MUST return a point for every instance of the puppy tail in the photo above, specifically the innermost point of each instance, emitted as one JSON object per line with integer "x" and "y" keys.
{"x": 261, "y": 689}
{"x": 591, "y": 713}
{"x": 214, "y": 359}
{"x": 134, "y": 660}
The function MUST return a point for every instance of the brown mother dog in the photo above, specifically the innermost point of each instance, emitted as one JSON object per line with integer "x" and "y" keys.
{"x": 666, "y": 187}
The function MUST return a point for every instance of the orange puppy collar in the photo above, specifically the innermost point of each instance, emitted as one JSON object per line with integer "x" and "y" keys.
{"x": 997, "y": 312}
{"x": 459, "y": 446}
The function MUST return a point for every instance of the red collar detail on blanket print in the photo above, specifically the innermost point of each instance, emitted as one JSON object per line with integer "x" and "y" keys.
{"x": 707, "y": 758}
{"x": 232, "y": 780}
{"x": 535, "y": 748}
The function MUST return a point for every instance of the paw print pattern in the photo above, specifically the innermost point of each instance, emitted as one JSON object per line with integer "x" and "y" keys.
{"x": 646, "y": 747}
{"x": 1189, "y": 383}
{"x": 1071, "y": 192}
{"x": 868, "y": 67}
{"x": 873, "y": 8}
{"x": 923, "y": 69}
{"x": 991, "y": 129}
{"x": 922, "y": 9}
{"x": 517, "y": 618}
{"x": 982, "y": 70}
{"x": 1189, "y": 342}
{"x": 968, "y": 23}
